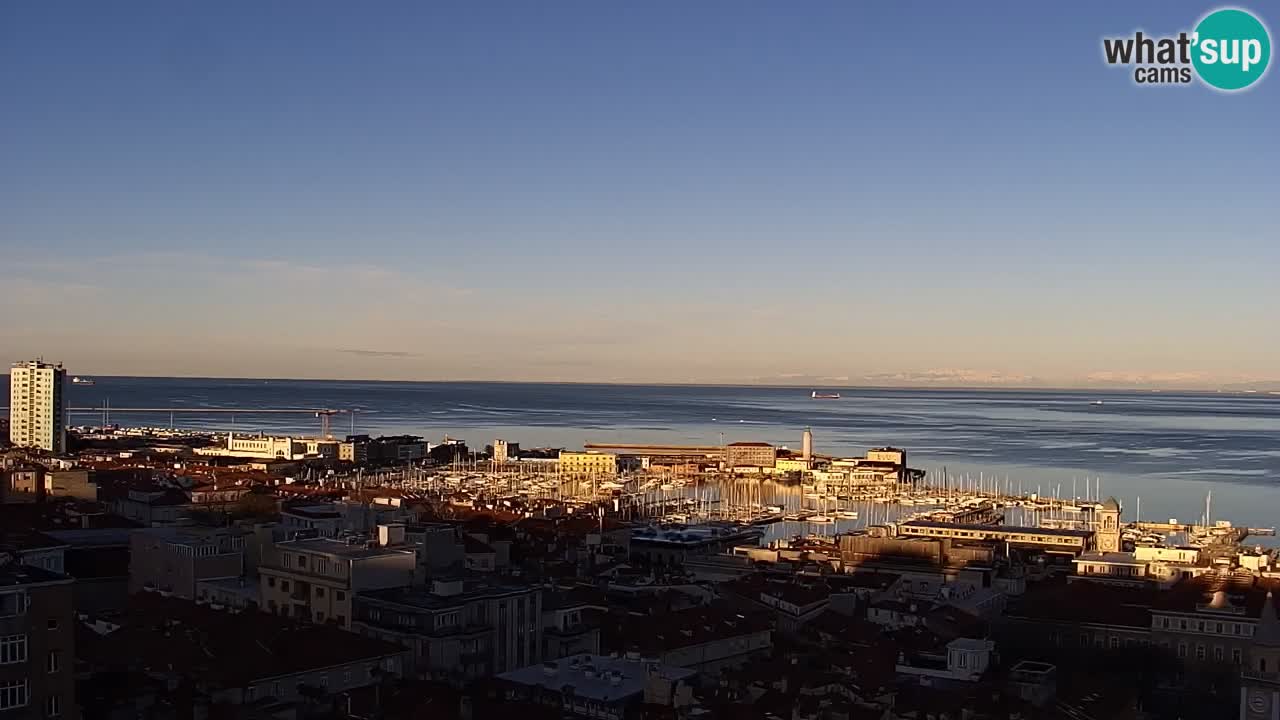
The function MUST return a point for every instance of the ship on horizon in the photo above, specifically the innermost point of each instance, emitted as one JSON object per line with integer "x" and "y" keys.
{"x": 82, "y": 381}
{"x": 825, "y": 396}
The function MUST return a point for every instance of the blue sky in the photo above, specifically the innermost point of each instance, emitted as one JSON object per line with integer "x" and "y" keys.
{"x": 670, "y": 191}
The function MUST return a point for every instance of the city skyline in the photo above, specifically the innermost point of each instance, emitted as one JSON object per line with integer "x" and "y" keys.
{"x": 564, "y": 194}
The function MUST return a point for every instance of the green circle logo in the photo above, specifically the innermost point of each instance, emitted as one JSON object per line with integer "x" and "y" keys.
{"x": 1232, "y": 49}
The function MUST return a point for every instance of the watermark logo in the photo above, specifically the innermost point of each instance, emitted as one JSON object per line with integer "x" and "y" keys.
{"x": 1229, "y": 50}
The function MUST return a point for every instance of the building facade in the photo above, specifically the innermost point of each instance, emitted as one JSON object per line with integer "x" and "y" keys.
{"x": 37, "y": 406}
{"x": 588, "y": 463}
{"x": 458, "y": 629}
{"x": 317, "y": 579}
{"x": 750, "y": 454}
{"x": 37, "y": 644}
{"x": 269, "y": 448}
{"x": 174, "y": 560}
{"x": 505, "y": 452}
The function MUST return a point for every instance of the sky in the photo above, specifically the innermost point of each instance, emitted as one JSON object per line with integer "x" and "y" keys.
{"x": 824, "y": 192}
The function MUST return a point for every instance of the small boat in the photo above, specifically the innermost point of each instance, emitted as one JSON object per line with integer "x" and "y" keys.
{"x": 825, "y": 396}
{"x": 82, "y": 381}
{"x": 847, "y": 514}
{"x": 1096, "y": 402}
{"x": 820, "y": 519}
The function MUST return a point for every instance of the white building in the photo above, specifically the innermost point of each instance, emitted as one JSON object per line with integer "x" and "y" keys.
{"x": 37, "y": 406}
{"x": 265, "y": 447}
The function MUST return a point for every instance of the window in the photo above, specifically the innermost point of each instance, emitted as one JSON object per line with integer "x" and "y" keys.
{"x": 53, "y": 663}
{"x": 13, "y": 695}
{"x": 319, "y": 592}
{"x": 1182, "y": 651}
{"x": 53, "y": 706}
{"x": 302, "y": 561}
{"x": 1115, "y": 642}
{"x": 1164, "y": 623}
{"x": 275, "y": 689}
{"x": 1200, "y": 654}
{"x": 13, "y": 649}
{"x": 271, "y": 582}
{"x": 1235, "y": 656}
{"x": 249, "y": 692}
{"x": 1235, "y": 628}
{"x": 342, "y": 619}
{"x": 1217, "y": 653}
{"x": 14, "y": 603}
{"x": 1182, "y": 624}
{"x": 1219, "y": 631}
{"x": 1200, "y": 626}
{"x": 284, "y": 585}
{"x": 53, "y": 623}
{"x": 339, "y": 595}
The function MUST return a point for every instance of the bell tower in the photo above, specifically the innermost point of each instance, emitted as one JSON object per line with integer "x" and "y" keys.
{"x": 1107, "y": 536}
{"x": 1260, "y": 677}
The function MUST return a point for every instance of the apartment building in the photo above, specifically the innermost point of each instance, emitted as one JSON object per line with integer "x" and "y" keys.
{"x": 37, "y": 643}
{"x": 316, "y": 579}
{"x": 1213, "y": 618}
{"x": 175, "y": 560}
{"x": 37, "y": 406}
{"x": 458, "y": 629}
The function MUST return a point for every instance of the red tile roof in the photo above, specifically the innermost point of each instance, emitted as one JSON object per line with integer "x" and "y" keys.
{"x": 230, "y": 650}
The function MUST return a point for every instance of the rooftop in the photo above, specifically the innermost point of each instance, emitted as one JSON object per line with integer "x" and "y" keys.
{"x": 92, "y": 537}
{"x": 1114, "y": 558}
{"x": 318, "y": 511}
{"x": 598, "y": 677}
{"x": 1055, "y": 532}
{"x": 230, "y": 649}
{"x": 1242, "y": 596}
{"x": 329, "y": 546}
{"x": 655, "y": 634}
{"x": 22, "y": 539}
{"x": 1085, "y": 602}
{"x": 691, "y": 534}
{"x": 13, "y": 574}
{"x": 801, "y": 593}
{"x": 459, "y": 591}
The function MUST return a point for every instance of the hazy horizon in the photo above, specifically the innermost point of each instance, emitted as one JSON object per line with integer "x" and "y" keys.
{"x": 662, "y": 193}
{"x": 805, "y": 383}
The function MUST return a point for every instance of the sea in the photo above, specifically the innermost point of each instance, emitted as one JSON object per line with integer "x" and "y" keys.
{"x": 1169, "y": 453}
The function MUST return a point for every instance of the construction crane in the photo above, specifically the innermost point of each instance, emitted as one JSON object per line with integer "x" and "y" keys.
{"x": 326, "y": 422}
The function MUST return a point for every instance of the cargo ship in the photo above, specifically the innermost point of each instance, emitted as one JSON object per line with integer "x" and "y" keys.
{"x": 825, "y": 396}
{"x": 81, "y": 381}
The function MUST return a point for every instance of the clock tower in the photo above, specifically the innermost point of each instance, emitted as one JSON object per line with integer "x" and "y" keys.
{"x": 1260, "y": 677}
{"x": 1107, "y": 537}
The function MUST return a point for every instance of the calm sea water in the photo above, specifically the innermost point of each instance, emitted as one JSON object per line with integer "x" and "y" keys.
{"x": 1171, "y": 449}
